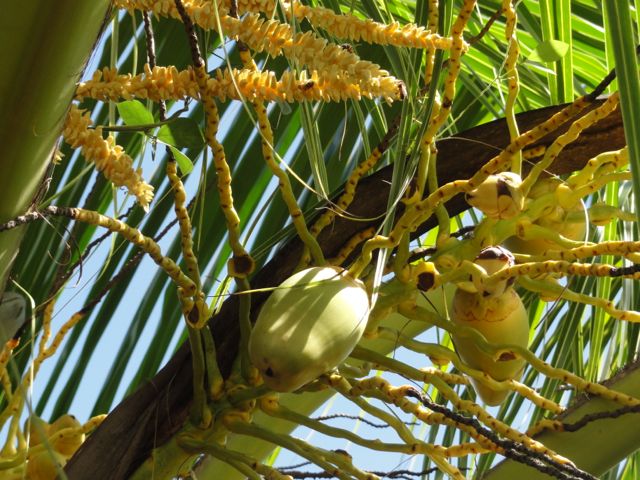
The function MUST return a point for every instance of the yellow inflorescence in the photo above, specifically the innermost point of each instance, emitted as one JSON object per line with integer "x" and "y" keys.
{"x": 350, "y": 27}
{"x": 346, "y": 27}
{"x": 271, "y": 36}
{"x": 169, "y": 83}
{"x": 108, "y": 157}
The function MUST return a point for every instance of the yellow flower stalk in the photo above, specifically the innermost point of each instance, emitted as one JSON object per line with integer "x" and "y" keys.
{"x": 270, "y": 36}
{"x": 346, "y": 27}
{"x": 169, "y": 83}
{"x": 108, "y": 157}
{"x": 350, "y": 27}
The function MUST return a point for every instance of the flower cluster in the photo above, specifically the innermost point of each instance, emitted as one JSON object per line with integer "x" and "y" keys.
{"x": 169, "y": 83}
{"x": 306, "y": 48}
{"x": 271, "y": 36}
{"x": 350, "y": 27}
{"x": 159, "y": 83}
{"x": 108, "y": 157}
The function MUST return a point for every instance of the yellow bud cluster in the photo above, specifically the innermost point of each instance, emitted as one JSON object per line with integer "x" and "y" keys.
{"x": 308, "y": 49}
{"x": 108, "y": 157}
{"x": 270, "y": 36}
{"x": 255, "y": 6}
{"x": 159, "y": 83}
{"x": 355, "y": 29}
{"x": 168, "y": 83}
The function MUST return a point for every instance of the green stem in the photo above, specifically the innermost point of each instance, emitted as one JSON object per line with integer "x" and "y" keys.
{"x": 244, "y": 317}
{"x": 312, "y": 454}
{"x": 200, "y": 414}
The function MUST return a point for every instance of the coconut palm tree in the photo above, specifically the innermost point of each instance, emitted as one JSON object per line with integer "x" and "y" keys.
{"x": 170, "y": 388}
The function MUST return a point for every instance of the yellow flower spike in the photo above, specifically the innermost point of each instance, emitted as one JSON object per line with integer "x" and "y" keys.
{"x": 621, "y": 248}
{"x": 349, "y": 27}
{"x": 565, "y": 268}
{"x": 382, "y": 390}
{"x": 431, "y": 52}
{"x": 436, "y": 453}
{"x": 252, "y": 85}
{"x": 505, "y": 430}
{"x": 350, "y": 187}
{"x": 284, "y": 184}
{"x": 109, "y": 158}
{"x": 349, "y": 193}
{"x": 471, "y": 448}
{"x": 439, "y": 115}
{"x": 275, "y": 38}
{"x": 458, "y": 47}
{"x": 68, "y": 325}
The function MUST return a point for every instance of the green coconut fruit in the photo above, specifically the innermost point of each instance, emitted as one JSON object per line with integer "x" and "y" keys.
{"x": 501, "y": 320}
{"x": 307, "y": 326}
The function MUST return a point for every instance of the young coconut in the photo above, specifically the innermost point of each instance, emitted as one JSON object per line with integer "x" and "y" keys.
{"x": 501, "y": 320}
{"x": 499, "y": 196}
{"x": 498, "y": 313}
{"x": 307, "y": 326}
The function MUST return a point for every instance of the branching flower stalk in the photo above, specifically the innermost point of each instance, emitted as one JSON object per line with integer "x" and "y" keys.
{"x": 226, "y": 406}
{"x": 460, "y": 404}
{"x": 419, "y": 212}
{"x": 571, "y": 135}
{"x": 513, "y": 85}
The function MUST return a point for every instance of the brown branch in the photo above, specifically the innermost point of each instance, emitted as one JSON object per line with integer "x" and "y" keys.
{"x": 158, "y": 409}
